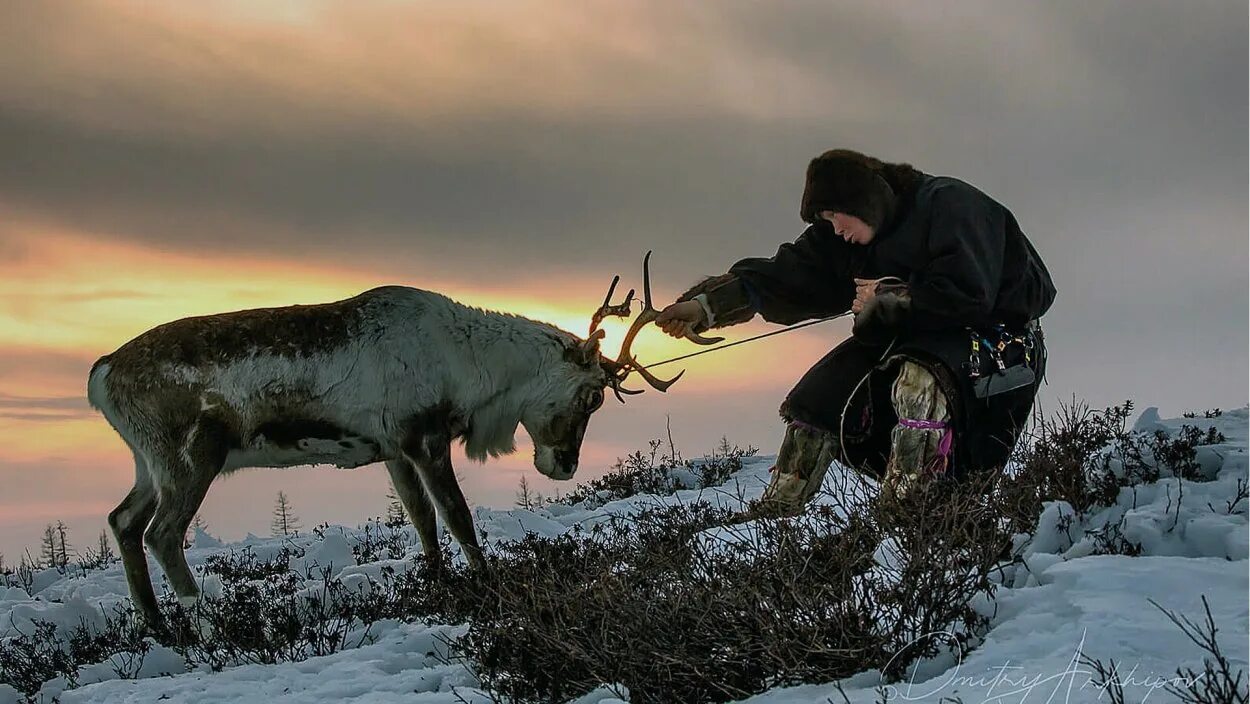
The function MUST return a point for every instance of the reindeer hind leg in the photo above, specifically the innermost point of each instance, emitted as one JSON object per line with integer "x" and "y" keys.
{"x": 182, "y": 478}
{"x": 128, "y": 522}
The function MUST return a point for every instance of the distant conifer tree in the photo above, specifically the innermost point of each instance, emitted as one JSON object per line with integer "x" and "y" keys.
{"x": 285, "y": 523}
{"x": 197, "y": 524}
{"x": 47, "y": 547}
{"x": 54, "y": 548}
{"x": 524, "y": 497}
{"x": 395, "y": 514}
{"x": 62, "y": 546}
{"x": 104, "y": 549}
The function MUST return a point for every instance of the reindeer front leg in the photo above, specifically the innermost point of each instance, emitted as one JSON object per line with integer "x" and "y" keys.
{"x": 417, "y": 503}
{"x": 430, "y": 453}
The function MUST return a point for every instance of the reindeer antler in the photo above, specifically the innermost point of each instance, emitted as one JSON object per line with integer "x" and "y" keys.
{"x": 620, "y": 310}
{"x": 625, "y": 362}
{"x": 616, "y": 373}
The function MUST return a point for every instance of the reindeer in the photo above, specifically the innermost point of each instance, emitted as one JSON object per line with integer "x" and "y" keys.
{"x": 393, "y": 375}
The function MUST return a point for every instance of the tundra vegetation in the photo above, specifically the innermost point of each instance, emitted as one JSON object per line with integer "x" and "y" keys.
{"x": 675, "y": 602}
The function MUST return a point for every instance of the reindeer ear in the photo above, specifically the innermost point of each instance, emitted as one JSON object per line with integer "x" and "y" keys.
{"x": 587, "y": 353}
{"x": 590, "y": 348}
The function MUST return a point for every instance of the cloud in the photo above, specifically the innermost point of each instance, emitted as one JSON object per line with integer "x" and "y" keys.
{"x": 53, "y": 408}
{"x": 41, "y": 371}
{"x": 100, "y": 295}
{"x": 577, "y": 135}
{"x": 172, "y": 68}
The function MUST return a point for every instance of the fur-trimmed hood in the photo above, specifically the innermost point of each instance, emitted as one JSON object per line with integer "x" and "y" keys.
{"x": 847, "y": 181}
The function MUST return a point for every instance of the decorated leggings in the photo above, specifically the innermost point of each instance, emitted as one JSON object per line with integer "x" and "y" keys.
{"x": 920, "y": 443}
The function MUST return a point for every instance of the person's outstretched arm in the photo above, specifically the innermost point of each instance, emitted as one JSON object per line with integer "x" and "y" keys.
{"x": 805, "y": 279}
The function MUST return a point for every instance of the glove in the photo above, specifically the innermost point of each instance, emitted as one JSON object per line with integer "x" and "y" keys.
{"x": 885, "y": 312}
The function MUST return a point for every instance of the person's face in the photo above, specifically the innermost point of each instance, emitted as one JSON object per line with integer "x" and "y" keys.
{"x": 849, "y": 227}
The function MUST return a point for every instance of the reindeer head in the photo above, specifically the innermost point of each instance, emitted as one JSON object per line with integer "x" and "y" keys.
{"x": 572, "y": 390}
{"x": 559, "y": 422}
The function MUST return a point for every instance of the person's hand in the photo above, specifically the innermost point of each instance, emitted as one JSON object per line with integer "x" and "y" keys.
{"x": 680, "y": 318}
{"x": 865, "y": 290}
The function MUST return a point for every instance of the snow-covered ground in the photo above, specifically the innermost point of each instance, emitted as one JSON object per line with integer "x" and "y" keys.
{"x": 1065, "y": 601}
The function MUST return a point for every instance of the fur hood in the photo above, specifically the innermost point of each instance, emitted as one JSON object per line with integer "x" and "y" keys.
{"x": 847, "y": 181}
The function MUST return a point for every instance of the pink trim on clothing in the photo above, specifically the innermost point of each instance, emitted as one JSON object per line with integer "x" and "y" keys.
{"x": 807, "y": 426}
{"x": 944, "y": 445}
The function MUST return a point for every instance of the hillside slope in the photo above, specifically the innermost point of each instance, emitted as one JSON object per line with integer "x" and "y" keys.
{"x": 1061, "y": 602}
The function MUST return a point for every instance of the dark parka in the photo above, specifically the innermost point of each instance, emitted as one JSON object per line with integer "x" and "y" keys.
{"x": 967, "y": 266}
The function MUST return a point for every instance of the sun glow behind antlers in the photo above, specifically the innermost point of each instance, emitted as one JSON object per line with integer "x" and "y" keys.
{"x": 625, "y": 363}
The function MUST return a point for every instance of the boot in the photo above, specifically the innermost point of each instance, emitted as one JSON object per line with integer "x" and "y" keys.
{"x": 802, "y": 462}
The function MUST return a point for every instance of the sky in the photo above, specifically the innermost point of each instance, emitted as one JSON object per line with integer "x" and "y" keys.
{"x": 164, "y": 159}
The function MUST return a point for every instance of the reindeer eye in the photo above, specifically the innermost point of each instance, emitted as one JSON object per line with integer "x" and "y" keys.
{"x": 594, "y": 400}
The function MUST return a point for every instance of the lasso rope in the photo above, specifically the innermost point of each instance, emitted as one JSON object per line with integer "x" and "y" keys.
{"x": 717, "y": 348}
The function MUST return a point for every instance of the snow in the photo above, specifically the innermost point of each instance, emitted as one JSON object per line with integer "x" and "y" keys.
{"x": 1064, "y": 601}
{"x": 1097, "y": 605}
{"x": 409, "y": 663}
{"x": 1170, "y": 517}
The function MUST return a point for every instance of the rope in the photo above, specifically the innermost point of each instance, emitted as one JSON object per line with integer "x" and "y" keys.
{"x": 841, "y": 439}
{"x": 749, "y": 339}
{"x": 846, "y": 460}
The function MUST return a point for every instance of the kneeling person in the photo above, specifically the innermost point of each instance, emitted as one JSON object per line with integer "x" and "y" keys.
{"x": 946, "y": 354}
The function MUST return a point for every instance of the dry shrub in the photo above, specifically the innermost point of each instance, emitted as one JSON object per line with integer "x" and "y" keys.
{"x": 677, "y": 614}
{"x": 1218, "y": 682}
{"x": 654, "y": 471}
{"x": 1084, "y": 457}
{"x": 858, "y": 583}
{"x": 1058, "y": 459}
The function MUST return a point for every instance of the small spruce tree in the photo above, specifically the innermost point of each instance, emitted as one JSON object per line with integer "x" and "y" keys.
{"x": 524, "y": 497}
{"x": 104, "y": 549}
{"x": 395, "y": 514}
{"x": 47, "y": 547}
{"x": 197, "y": 524}
{"x": 285, "y": 523}
{"x": 62, "y": 545}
